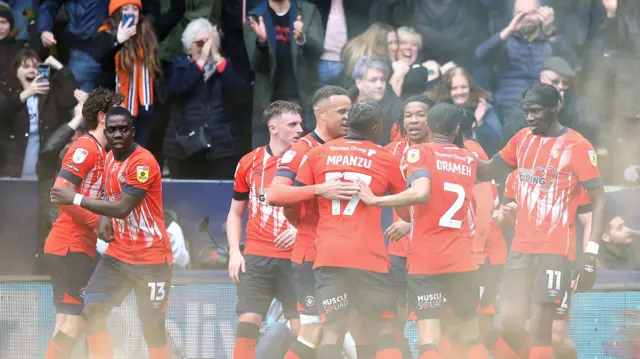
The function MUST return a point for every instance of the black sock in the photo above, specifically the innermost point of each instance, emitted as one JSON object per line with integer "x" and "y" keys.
{"x": 303, "y": 351}
{"x": 330, "y": 351}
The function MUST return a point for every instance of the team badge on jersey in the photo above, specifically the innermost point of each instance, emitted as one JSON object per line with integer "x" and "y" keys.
{"x": 413, "y": 155}
{"x": 142, "y": 174}
{"x": 593, "y": 157}
{"x": 80, "y": 155}
{"x": 288, "y": 156}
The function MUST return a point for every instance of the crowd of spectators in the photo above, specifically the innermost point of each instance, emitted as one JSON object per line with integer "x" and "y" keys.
{"x": 197, "y": 74}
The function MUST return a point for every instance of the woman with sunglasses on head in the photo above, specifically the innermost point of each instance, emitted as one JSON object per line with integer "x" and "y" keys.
{"x": 127, "y": 45}
{"x": 201, "y": 140}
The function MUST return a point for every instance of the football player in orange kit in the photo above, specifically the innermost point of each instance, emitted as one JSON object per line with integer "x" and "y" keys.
{"x": 139, "y": 256}
{"x": 71, "y": 245}
{"x": 351, "y": 269}
{"x": 441, "y": 177}
{"x": 331, "y": 105}
{"x": 554, "y": 163}
{"x": 414, "y": 130}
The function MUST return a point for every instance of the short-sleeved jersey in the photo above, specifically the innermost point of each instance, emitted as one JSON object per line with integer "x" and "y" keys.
{"x": 551, "y": 171}
{"x": 349, "y": 233}
{"x": 441, "y": 238}
{"x": 398, "y": 149}
{"x": 82, "y": 165}
{"x": 253, "y": 177}
{"x": 140, "y": 238}
{"x": 584, "y": 206}
{"x": 304, "y": 247}
{"x": 495, "y": 247}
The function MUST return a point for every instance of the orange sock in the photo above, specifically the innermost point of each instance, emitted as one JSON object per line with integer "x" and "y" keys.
{"x": 159, "y": 353}
{"x": 477, "y": 352}
{"x": 446, "y": 348}
{"x": 388, "y": 347}
{"x": 429, "y": 351}
{"x": 100, "y": 345}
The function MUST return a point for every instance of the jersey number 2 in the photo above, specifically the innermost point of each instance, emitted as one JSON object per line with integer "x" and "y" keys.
{"x": 353, "y": 202}
{"x": 447, "y": 218}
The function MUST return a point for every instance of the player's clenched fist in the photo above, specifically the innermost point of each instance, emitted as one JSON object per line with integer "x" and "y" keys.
{"x": 236, "y": 264}
{"x": 397, "y": 230}
{"x": 286, "y": 238}
{"x": 62, "y": 196}
{"x": 105, "y": 229}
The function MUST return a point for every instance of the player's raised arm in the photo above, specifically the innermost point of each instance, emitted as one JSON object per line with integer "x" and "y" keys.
{"x": 502, "y": 163}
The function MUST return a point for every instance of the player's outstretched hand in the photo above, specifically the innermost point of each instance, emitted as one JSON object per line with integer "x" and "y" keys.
{"x": 105, "y": 229}
{"x": 62, "y": 196}
{"x": 397, "y": 230}
{"x": 586, "y": 277}
{"x": 236, "y": 264}
{"x": 366, "y": 194}
{"x": 336, "y": 190}
{"x": 286, "y": 238}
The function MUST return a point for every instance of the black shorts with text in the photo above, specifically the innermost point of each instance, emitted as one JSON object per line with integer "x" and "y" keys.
{"x": 266, "y": 278}
{"x": 69, "y": 278}
{"x": 340, "y": 290}
{"x": 535, "y": 278}
{"x": 113, "y": 279}
{"x": 428, "y": 294}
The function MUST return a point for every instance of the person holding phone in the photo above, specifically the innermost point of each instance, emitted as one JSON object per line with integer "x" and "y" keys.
{"x": 127, "y": 45}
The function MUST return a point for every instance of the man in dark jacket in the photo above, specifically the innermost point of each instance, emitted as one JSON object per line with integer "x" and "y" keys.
{"x": 284, "y": 41}
{"x": 620, "y": 251}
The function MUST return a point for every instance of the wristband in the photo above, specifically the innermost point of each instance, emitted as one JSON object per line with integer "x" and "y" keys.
{"x": 592, "y": 247}
{"x": 77, "y": 199}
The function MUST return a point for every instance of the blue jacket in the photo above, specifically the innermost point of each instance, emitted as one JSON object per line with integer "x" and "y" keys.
{"x": 85, "y": 17}
{"x": 192, "y": 103}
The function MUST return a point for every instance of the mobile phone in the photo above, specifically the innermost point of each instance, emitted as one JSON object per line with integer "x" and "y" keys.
{"x": 44, "y": 70}
{"x": 128, "y": 17}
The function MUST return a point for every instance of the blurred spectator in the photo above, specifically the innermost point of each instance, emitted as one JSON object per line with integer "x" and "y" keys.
{"x": 520, "y": 50}
{"x": 335, "y": 38}
{"x": 379, "y": 40}
{"x": 458, "y": 86}
{"x": 20, "y": 9}
{"x": 612, "y": 82}
{"x": 85, "y": 17}
{"x": 201, "y": 138}
{"x": 558, "y": 73}
{"x": 284, "y": 40}
{"x": 620, "y": 251}
{"x": 8, "y": 43}
{"x": 32, "y": 110}
{"x": 130, "y": 51}
{"x": 371, "y": 75}
{"x": 450, "y": 30}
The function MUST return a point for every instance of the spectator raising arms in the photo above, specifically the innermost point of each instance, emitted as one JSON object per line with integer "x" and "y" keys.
{"x": 127, "y": 46}
{"x": 457, "y": 85}
{"x": 199, "y": 87}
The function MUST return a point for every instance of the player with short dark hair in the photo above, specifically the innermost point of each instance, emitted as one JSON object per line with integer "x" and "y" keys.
{"x": 139, "y": 256}
{"x": 414, "y": 130}
{"x": 331, "y": 105}
{"x": 71, "y": 245}
{"x": 351, "y": 268}
{"x": 553, "y": 164}
{"x": 263, "y": 270}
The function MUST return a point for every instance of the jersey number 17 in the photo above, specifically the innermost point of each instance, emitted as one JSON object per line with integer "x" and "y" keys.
{"x": 350, "y": 208}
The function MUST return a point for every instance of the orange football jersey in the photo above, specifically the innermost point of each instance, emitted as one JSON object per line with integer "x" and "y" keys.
{"x": 304, "y": 247}
{"x": 349, "y": 233}
{"x": 140, "y": 238}
{"x": 82, "y": 165}
{"x": 551, "y": 172}
{"x": 253, "y": 177}
{"x": 441, "y": 237}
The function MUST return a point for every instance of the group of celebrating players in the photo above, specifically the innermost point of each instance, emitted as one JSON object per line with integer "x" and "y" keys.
{"x": 314, "y": 239}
